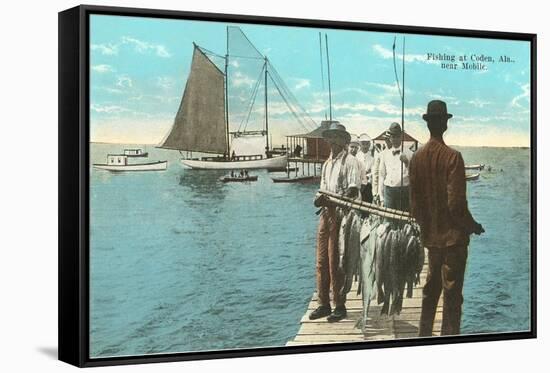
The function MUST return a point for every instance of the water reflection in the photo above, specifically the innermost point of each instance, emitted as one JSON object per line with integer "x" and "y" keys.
{"x": 203, "y": 183}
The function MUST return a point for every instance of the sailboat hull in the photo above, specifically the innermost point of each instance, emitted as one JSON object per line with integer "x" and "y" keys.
{"x": 275, "y": 162}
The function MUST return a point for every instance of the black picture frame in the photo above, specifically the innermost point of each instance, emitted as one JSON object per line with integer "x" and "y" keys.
{"x": 73, "y": 250}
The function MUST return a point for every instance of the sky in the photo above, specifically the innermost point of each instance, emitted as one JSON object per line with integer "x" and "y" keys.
{"x": 139, "y": 67}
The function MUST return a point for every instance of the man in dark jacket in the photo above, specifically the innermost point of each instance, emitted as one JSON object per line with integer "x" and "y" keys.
{"x": 439, "y": 206}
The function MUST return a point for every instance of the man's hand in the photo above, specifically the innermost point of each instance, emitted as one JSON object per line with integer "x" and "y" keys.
{"x": 478, "y": 229}
{"x": 321, "y": 200}
{"x": 404, "y": 159}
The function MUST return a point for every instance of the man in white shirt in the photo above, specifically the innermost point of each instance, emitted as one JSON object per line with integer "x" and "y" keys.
{"x": 376, "y": 167}
{"x": 354, "y": 151}
{"x": 340, "y": 175}
{"x": 366, "y": 158}
{"x": 394, "y": 172}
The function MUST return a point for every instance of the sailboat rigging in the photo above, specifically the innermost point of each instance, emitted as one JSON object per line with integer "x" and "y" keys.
{"x": 216, "y": 95}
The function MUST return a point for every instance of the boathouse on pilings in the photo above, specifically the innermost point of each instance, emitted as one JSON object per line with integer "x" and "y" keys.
{"x": 410, "y": 141}
{"x": 308, "y": 151}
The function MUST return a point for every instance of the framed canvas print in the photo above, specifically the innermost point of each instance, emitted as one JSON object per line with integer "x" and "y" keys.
{"x": 233, "y": 186}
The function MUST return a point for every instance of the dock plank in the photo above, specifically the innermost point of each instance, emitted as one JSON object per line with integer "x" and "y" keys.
{"x": 379, "y": 327}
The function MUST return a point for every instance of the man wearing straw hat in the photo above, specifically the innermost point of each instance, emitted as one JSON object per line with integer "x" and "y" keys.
{"x": 439, "y": 206}
{"x": 339, "y": 175}
{"x": 394, "y": 172}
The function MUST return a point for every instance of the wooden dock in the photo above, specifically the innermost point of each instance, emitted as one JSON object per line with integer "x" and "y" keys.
{"x": 378, "y": 327}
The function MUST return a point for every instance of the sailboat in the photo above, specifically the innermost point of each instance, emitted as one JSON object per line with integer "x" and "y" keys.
{"x": 202, "y": 123}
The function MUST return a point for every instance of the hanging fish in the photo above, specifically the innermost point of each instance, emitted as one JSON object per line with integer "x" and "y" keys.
{"x": 369, "y": 240}
{"x": 395, "y": 266}
{"x": 411, "y": 260}
{"x": 387, "y": 272}
{"x": 350, "y": 260}
{"x": 342, "y": 234}
{"x": 420, "y": 260}
{"x": 380, "y": 256}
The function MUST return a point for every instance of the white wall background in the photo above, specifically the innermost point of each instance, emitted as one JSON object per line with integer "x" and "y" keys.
{"x": 28, "y": 184}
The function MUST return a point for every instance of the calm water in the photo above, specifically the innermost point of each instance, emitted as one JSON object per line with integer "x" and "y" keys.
{"x": 182, "y": 262}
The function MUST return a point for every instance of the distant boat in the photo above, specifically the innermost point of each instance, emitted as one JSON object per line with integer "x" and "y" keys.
{"x": 474, "y": 167}
{"x": 282, "y": 169}
{"x": 472, "y": 177}
{"x": 135, "y": 153}
{"x": 297, "y": 179}
{"x": 119, "y": 163}
{"x": 243, "y": 162}
{"x": 230, "y": 179}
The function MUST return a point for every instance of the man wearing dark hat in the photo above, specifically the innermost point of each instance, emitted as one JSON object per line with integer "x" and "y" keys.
{"x": 438, "y": 203}
{"x": 394, "y": 172}
{"x": 340, "y": 175}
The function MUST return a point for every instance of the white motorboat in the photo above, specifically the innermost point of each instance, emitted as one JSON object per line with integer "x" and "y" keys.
{"x": 135, "y": 153}
{"x": 119, "y": 163}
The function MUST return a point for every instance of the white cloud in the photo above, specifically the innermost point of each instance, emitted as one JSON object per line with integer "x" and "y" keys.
{"x": 112, "y": 90}
{"x": 103, "y": 68}
{"x": 165, "y": 82}
{"x": 301, "y": 83}
{"x": 239, "y": 79}
{"x": 525, "y": 95}
{"x": 389, "y": 88}
{"x": 108, "y": 109}
{"x": 381, "y": 107}
{"x": 387, "y": 53}
{"x": 106, "y": 49}
{"x": 124, "y": 81}
{"x": 479, "y": 103}
{"x": 450, "y": 100}
{"x": 146, "y": 47}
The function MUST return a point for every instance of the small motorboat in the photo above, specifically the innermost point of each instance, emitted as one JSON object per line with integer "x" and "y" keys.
{"x": 135, "y": 153}
{"x": 234, "y": 179}
{"x": 119, "y": 163}
{"x": 472, "y": 177}
{"x": 474, "y": 167}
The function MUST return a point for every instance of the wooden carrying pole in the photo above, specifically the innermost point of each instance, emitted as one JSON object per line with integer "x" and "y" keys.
{"x": 371, "y": 208}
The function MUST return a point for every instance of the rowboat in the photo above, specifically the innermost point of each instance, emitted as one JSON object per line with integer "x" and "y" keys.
{"x": 472, "y": 177}
{"x": 474, "y": 167}
{"x": 229, "y": 179}
{"x": 282, "y": 169}
{"x": 297, "y": 179}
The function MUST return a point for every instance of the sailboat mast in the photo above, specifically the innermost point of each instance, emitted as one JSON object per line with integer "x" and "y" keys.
{"x": 265, "y": 105}
{"x": 322, "y": 72}
{"x": 328, "y": 71}
{"x": 403, "y": 102}
{"x": 226, "y": 95}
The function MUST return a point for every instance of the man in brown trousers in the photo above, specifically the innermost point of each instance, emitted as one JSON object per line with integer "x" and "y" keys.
{"x": 438, "y": 203}
{"x": 340, "y": 174}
